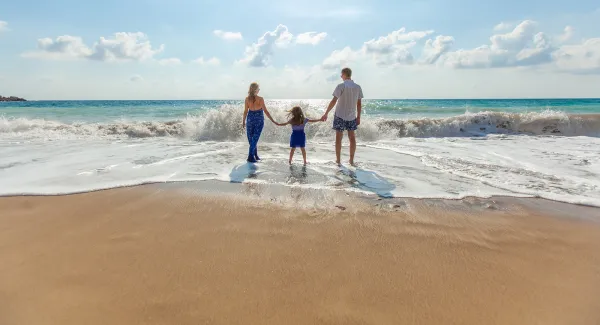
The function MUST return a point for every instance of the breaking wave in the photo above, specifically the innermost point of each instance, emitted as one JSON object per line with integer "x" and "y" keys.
{"x": 224, "y": 124}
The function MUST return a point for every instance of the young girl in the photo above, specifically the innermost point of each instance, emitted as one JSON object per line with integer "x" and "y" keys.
{"x": 298, "y": 137}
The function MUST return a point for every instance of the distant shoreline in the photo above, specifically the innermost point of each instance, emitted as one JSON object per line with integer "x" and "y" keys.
{"x": 12, "y": 99}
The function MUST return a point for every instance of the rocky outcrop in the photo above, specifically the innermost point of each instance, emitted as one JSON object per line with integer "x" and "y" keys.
{"x": 11, "y": 99}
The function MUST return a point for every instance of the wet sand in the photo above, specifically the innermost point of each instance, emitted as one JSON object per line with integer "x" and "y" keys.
{"x": 152, "y": 255}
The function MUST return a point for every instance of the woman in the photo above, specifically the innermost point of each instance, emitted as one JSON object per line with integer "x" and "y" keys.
{"x": 254, "y": 106}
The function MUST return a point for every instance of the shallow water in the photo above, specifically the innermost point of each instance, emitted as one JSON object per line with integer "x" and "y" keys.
{"x": 513, "y": 148}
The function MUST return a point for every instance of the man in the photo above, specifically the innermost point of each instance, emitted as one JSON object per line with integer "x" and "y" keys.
{"x": 347, "y": 96}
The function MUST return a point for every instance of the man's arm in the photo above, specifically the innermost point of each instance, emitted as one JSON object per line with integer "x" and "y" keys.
{"x": 329, "y": 108}
{"x": 358, "y": 110}
{"x": 359, "y": 105}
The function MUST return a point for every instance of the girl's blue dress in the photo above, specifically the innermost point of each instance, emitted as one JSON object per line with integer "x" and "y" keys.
{"x": 298, "y": 137}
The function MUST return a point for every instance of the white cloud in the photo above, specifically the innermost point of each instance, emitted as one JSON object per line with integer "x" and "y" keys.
{"x": 285, "y": 37}
{"x": 211, "y": 61}
{"x": 312, "y": 38}
{"x": 434, "y": 49}
{"x": 64, "y": 47}
{"x": 520, "y": 47}
{"x": 122, "y": 47}
{"x": 228, "y": 36}
{"x": 503, "y": 26}
{"x": 3, "y": 26}
{"x": 259, "y": 54}
{"x": 169, "y": 61}
{"x": 136, "y": 78}
{"x": 386, "y": 51}
{"x": 582, "y": 58}
{"x": 399, "y": 39}
{"x": 516, "y": 39}
{"x": 340, "y": 58}
{"x": 567, "y": 34}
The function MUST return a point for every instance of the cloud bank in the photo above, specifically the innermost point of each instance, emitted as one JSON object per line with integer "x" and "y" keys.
{"x": 513, "y": 45}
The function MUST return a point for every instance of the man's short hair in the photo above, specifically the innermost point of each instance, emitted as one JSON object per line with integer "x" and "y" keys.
{"x": 347, "y": 72}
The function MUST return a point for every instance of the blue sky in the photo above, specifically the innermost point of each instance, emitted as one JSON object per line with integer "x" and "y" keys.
{"x": 146, "y": 49}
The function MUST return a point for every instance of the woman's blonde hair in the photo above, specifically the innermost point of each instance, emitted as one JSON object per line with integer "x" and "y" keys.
{"x": 252, "y": 91}
{"x": 296, "y": 115}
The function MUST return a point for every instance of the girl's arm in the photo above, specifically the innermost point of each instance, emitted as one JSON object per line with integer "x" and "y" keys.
{"x": 245, "y": 112}
{"x": 313, "y": 121}
{"x": 281, "y": 124}
{"x": 267, "y": 112}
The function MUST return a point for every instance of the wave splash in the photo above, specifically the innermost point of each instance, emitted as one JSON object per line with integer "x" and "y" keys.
{"x": 224, "y": 124}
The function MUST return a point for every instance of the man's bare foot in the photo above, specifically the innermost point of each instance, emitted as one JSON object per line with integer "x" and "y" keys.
{"x": 351, "y": 162}
{"x": 290, "y": 161}
{"x": 338, "y": 163}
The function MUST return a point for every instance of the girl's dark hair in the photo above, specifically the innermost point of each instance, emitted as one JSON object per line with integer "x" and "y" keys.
{"x": 296, "y": 115}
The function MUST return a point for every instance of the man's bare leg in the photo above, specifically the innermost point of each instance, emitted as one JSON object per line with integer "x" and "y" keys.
{"x": 338, "y": 146}
{"x": 352, "y": 138}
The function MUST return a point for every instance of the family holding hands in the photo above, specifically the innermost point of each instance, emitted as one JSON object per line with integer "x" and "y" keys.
{"x": 347, "y": 98}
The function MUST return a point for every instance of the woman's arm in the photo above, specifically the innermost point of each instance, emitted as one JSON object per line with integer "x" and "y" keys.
{"x": 245, "y": 112}
{"x": 267, "y": 111}
{"x": 281, "y": 124}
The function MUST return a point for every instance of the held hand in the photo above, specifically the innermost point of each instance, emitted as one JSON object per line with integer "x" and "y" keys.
{"x": 244, "y": 125}
{"x": 324, "y": 118}
{"x": 358, "y": 121}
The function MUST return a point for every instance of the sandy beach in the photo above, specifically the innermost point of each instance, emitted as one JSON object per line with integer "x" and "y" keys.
{"x": 150, "y": 255}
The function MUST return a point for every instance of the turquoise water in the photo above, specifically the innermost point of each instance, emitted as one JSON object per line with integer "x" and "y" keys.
{"x": 103, "y": 111}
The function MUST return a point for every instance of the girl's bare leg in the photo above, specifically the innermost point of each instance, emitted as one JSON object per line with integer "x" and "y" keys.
{"x": 303, "y": 154}
{"x": 292, "y": 154}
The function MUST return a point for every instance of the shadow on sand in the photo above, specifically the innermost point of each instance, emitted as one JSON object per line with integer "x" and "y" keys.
{"x": 240, "y": 173}
{"x": 367, "y": 180}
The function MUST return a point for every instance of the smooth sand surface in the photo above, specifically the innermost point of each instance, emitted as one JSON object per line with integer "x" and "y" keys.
{"x": 153, "y": 256}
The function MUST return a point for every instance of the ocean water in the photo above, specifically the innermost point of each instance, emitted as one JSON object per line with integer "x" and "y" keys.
{"x": 547, "y": 148}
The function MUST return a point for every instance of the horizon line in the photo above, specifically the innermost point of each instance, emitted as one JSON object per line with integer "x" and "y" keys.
{"x": 299, "y": 99}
